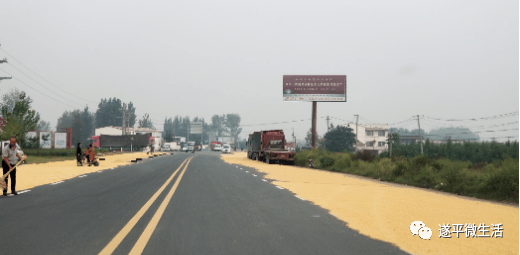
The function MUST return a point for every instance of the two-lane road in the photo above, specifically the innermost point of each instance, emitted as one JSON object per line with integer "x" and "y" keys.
{"x": 182, "y": 204}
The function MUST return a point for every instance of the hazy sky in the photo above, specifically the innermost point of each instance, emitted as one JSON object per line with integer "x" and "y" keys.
{"x": 441, "y": 59}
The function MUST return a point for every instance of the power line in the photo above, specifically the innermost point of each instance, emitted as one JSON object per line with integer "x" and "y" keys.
{"x": 44, "y": 94}
{"x": 42, "y": 77}
{"x": 276, "y": 123}
{"x": 44, "y": 86}
{"x": 477, "y": 119}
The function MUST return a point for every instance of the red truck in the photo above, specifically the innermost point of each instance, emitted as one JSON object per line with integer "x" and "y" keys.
{"x": 269, "y": 146}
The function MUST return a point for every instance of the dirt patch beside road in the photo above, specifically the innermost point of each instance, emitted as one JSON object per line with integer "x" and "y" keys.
{"x": 385, "y": 211}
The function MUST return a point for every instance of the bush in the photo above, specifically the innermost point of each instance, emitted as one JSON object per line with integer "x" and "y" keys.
{"x": 326, "y": 161}
{"x": 366, "y": 156}
{"x": 496, "y": 180}
{"x": 400, "y": 169}
{"x": 503, "y": 183}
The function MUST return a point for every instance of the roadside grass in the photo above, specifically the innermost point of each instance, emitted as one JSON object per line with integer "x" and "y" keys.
{"x": 496, "y": 181}
{"x": 46, "y": 159}
{"x": 39, "y": 156}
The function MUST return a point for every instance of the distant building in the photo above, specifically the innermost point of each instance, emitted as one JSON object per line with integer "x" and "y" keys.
{"x": 371, "y": 136}
{"x": 410, "y": 139}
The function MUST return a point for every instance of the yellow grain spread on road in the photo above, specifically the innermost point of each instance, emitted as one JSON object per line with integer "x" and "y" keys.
{"x": 32, "y": 175}
{"x": 384, "y": 211}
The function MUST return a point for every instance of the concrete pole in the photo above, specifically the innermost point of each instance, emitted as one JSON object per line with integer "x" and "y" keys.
{"x": 123, "y": 128}
{"x": 420, "y": 133}
{"x": 391, "y": 141}
{"x": 357, "y": 118}
{"x": 314, "y": 110}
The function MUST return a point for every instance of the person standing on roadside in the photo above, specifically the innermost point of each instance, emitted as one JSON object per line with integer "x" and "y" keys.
{"x": 79, "y": 153}
{"x": 10, "y": 155}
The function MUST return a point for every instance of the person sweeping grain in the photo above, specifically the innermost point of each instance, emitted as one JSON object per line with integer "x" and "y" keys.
{"x": 10, "y": 155}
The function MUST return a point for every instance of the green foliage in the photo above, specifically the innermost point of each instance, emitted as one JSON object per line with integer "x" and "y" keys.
{"x": 364, "y": 155}
{"x": 473, "y": 152}
{"x": 146, "y": 122}
{"x": 20, "y": 120}
{"x": 340, "y": 139}
{"x": 326, "y": 161}
{"x": 55, "y": 152}
{"x": 497, "y": 180}
{"x": 110, "y": 113}
{"x": 81, "y": 122}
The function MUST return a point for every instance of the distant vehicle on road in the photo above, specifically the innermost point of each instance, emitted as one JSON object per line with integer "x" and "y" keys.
{"x": 217, "y": 147}
{"x": 215, "y": 144}
{"x": 269, "y": 146}
{"x": 226, "y": 148}
{"x": 190, "y": 146}
{"x": 165, "y": 147}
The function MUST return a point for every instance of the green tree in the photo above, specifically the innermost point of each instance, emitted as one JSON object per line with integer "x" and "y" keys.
{"x": 87, "y": 119}
{"x": 340, "y": 139}
{"x": 133, "y": 117}
{"x": 218, "y": 124}
{"x": 109, "y": 113}
{"x": 146, "y": 122}
{"x": 43, "y": 126}
{"x": 78, "y": 133}
{"x": 232, "y": 125}
{"x": 9, "y": 99}
{"x": 308, "y": 139}
{"x": 20, "y": 120}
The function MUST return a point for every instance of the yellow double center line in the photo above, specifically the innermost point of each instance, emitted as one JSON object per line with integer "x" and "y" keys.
{"x": 147, "y": 233}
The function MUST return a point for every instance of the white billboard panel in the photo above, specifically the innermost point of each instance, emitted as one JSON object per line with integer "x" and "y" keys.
{"x": 60, "y": 140}
{"x": 45, "y": 139}
{"x": 196, "y": 128}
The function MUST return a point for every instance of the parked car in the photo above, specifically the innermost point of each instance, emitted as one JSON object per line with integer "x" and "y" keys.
{"x": 226, "y": 148}
{"x": 217, "y": 147}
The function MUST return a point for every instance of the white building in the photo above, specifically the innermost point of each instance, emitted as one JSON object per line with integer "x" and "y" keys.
{"x": 371, "y": 136}
{"x": 114, "y": 130}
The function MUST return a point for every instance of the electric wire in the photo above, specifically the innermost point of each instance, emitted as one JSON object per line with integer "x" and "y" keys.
{"x": 41, "y": 76}
{"x": 477, "y": 119}
{"x": 45, "y": 86}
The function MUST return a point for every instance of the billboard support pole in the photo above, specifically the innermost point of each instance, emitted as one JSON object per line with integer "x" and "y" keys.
{"x": 314, "y": 110}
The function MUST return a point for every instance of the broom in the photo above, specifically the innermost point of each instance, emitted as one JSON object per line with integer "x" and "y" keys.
{"x": 3, "y": 185}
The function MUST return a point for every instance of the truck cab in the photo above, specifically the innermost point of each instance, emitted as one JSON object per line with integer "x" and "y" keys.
{"x": 269, "y": 146}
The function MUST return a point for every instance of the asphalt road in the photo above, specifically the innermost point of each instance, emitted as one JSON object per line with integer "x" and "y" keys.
{"x": 208, "y": 207}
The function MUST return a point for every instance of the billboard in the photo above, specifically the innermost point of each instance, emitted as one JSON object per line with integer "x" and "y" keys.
{"x": 45, "y": 139}
{"x": 123, "y": 140}
{"x": 319, "y": 88}
{"x": 196, "y": 128}
{"x": 60, "y": 140}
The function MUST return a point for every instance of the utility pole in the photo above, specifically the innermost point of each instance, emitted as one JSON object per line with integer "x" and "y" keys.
{"x": 123, "y": 127}
{"x": 294, "y": 139}
{"x": 418, "y": 123}
{"x": 4, "y": 61}
{"x": 390, "y": 141}
{"x": 357, "y": 118}
{"x": 327, "y": 123}
{"x": 314, "y": 113}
